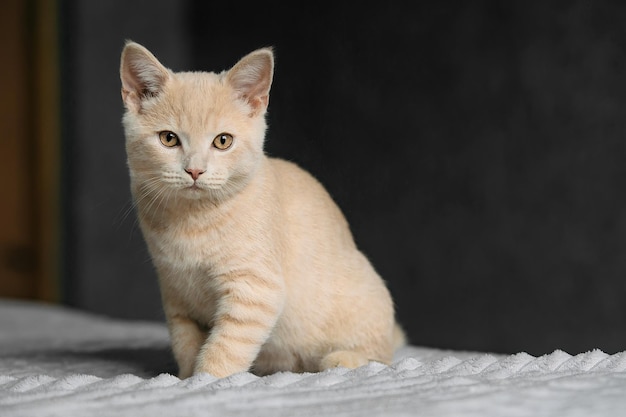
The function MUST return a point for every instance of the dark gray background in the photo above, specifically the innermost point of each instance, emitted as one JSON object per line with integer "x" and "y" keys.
{"x": 476, "y": 149}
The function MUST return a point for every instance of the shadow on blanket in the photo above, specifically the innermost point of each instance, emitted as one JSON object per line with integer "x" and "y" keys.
{"x": 146, "y": 362}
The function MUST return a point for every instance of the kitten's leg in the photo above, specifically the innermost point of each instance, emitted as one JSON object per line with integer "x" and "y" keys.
{"x": 187, "y": 339}
{"x": 343, "y": 358}
{"x": 245, "y": 317}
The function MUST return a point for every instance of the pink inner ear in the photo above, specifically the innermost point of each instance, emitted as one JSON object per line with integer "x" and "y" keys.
{"x": 142, "y": 75}
{"x": 252, "y": 78}
{"x": 265, "y": 100}
{"x": 131, "y": 100}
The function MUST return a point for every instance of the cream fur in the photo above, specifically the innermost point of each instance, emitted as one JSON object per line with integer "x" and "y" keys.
{"x": 257, "y": 266}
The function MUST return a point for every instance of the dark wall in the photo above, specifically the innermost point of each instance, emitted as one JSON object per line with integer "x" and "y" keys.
{"x": 475, "y": 149}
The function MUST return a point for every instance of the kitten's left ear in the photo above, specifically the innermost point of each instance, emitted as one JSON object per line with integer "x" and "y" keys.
{"x": 252, "y": 76}
{"x": 143, "y": 76}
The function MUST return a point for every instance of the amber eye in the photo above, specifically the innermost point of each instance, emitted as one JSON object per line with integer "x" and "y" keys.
{"x": 223, "y": 141}
{"x": 169, "y": 139}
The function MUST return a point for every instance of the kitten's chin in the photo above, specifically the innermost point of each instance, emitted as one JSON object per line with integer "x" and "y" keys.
{"x": 195, "y": 192}
{"x": 204, "y": 192}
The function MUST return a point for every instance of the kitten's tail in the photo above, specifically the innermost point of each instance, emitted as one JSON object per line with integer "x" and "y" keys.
{"x": 399, "y": 337}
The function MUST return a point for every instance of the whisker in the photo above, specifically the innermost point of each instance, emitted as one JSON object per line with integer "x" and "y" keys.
{"x": 123, "y": 213}
{"x": 150, "y": 190}
{"x": 153, "y": 195}
{"x": 130, "y": 205}
{"x": 156, "y": 198}
{"x": 161, "y": 200}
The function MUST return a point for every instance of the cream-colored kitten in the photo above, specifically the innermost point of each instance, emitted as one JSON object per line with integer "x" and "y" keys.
{"x": 257, "y": 266}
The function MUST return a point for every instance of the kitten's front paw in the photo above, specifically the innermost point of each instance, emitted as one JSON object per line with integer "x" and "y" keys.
{"x": 185, "y": 369}
{"x": 219, "y": 369}
{"x": 343, "y": 358}
{"x": 184, "y": 374}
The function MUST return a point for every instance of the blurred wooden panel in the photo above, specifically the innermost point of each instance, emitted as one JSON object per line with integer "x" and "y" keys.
{"x": 47, "y": 151}
{"x": 30, "y": 147}
{"x": 17, "y": 244}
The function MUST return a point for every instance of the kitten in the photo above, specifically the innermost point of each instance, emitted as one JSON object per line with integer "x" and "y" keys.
{"x": 257, "y": 267}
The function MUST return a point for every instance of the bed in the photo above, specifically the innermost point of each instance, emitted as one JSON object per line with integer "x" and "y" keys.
{"x": 56, "y": 361}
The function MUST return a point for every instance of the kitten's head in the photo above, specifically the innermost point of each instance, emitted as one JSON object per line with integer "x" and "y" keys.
{"x": 193, "y": 135}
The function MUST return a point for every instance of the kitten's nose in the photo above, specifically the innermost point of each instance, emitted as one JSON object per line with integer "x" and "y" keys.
{"x": 195, "y": 173}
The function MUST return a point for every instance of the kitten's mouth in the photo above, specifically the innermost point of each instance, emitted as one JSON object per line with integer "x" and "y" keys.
{"x": 195, "y": 187}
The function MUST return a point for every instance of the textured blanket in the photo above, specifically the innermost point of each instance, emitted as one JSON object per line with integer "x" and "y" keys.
{"x": 60, "y": 362}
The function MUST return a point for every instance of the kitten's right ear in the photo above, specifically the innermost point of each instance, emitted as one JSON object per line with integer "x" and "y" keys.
{"x": 252, "y": 76}
{"x": 143, "y": 76}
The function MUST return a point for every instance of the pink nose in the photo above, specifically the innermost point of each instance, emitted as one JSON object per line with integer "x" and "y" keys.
{"x": 195, "y": 173}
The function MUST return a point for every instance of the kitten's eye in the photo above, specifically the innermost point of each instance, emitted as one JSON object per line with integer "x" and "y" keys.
{"x": 169, "y": 139}
{"x": 223, "y": 141}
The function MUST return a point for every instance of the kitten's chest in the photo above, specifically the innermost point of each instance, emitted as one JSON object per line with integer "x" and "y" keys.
{"x": 193, "y": 255}
{"x": 190, "y": 243}
{"x": 212, "y": 242}
{"x": 190, "y": 258}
